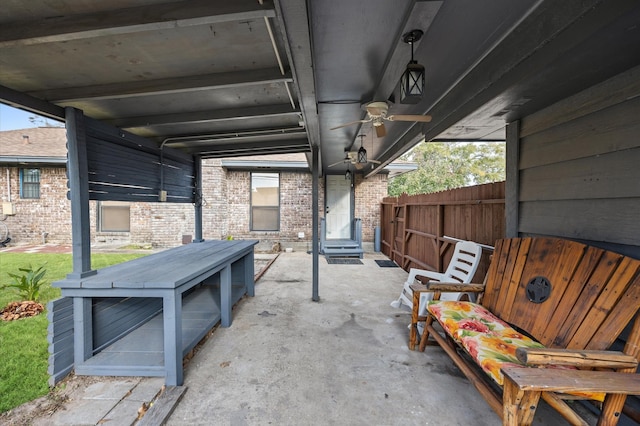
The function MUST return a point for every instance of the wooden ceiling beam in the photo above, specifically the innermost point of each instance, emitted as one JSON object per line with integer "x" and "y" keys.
{"x": 130, "y": 89}
{"x": 132, "y": 20}
{"x": 227, "y": 114}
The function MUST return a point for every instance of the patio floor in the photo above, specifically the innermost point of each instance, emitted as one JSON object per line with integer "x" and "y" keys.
{"x": 287, "y": 360}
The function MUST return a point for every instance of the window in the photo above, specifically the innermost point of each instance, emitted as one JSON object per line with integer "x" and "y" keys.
{"x": 113, "y": 216}
{"x": 265, "y": 201}
{"x": 29, "y": 183}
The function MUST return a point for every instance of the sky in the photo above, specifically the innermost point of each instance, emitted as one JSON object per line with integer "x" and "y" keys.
{"x": 13, "y": 119}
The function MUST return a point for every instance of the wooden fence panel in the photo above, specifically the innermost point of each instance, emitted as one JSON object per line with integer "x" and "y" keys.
{"x": 420, "y": 230}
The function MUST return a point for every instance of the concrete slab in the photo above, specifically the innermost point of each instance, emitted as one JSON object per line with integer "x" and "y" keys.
{"x": 146, "y": 390}
{"x": 343, "y": 360}
{"x": 111, "y": 391}
{"x": 288, "y": 360}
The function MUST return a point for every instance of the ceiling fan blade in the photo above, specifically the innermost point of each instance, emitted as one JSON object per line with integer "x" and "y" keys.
{"x": 405, "y": 117}
{"x": 349, "y": 124}
{"x": 336, "y": 163}
{"x": 380, "y": 131}
{"x": 375, "y": 161}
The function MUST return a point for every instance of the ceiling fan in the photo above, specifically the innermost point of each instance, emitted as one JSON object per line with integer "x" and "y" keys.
{"x": 357, "y": 158}
{"x": 378, "y": 113}
{"x": 350, "y": 157}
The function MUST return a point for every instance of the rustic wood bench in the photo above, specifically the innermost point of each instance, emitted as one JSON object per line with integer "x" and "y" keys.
{"x": 560, "y": 306}
{"x": 182, "y": 293}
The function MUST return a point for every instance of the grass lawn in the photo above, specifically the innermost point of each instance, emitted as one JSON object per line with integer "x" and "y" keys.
{"x": 23, "y": 343}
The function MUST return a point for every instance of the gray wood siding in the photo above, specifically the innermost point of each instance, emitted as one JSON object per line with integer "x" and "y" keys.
{"x": 60, "y": 338}
{"x": 578, "y": 167}
{"x": 125, "y": 167}
{"x": 116, "y": 317}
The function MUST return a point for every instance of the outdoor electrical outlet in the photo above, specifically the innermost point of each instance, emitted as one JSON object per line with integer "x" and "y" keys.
{"x": 162, "y": 196}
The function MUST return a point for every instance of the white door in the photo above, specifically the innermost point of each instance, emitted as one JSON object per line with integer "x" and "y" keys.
{"x": 338, "y": 207}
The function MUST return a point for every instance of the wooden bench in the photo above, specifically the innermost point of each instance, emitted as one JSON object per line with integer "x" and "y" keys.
{"x": 560, "y": 305}
{"x": 154, "y": 309}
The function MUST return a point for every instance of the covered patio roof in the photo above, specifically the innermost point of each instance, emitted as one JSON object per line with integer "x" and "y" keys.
{"x": 220, "y": 79}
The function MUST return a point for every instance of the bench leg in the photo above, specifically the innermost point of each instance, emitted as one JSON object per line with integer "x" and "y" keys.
{"x": 225, "y": 296}
{"x": 413, "y": 330}
{"x": 248, "y": 274}
{"x": 611, "y": 409}
{"x": 83, "y": 329}
{"x": 518, "y": 406}
{"x": 172, "y": 316}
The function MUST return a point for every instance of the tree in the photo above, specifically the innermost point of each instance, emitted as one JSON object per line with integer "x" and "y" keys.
{"x": 448, "y": 165}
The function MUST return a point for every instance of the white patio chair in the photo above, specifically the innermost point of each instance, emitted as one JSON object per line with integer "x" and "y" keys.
{"x": 463, "y": 265}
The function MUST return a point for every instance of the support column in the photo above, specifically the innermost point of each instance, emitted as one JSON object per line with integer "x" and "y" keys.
{"x": 83, "y": 330}
{"x": 512, "y": 196}
{"x": 78, "y": 175}
{"x": 225, "y": 296}
{"x": 315, "y": 218}
{"x": 172, "y": 321}
{"x": 198, "y": 204}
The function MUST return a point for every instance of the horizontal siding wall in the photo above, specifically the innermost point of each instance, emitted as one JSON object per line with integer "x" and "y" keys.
{"x": 578, "y": 169}
{"x": 60, "y": 338}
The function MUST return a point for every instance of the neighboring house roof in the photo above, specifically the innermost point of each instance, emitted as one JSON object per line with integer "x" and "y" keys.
{"x": 296, "y": 161}
{"x": 299, "y": 162}
{"x": 38, "y": 145}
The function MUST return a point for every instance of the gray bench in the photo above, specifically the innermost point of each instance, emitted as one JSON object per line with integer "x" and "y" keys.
{"x": 197, "y": 285}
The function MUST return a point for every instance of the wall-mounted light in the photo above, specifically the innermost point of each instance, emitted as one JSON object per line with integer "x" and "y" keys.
{"x": 412, "y": 81}
{"x": 347, "y": 175}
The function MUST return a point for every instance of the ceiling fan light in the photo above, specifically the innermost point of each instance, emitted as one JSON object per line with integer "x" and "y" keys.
{"x": 412, "y": 84}
{"x": 362, "y": 155}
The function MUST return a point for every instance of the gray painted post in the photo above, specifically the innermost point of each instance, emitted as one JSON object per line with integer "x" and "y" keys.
{"x": 77, "y": 169}
{"x": 83, "y": 330}
{"x": 225, "y": 296}
{"x": 314, "y": 231}
{"x": 248, "y": 274}
{"x": 172, "y": 318}
{"x": 198, "y": 204}
{"x": 512, "y": 184}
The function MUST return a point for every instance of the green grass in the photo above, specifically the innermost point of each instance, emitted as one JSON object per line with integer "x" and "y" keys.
{"x": 23, "y": 343}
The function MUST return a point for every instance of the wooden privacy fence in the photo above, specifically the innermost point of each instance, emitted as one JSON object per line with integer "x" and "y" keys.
{"x": 419, "y": 231}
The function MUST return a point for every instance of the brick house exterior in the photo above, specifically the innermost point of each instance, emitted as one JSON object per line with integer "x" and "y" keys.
{"x": 226, "y": 204}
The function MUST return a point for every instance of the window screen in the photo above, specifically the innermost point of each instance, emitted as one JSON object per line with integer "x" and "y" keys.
{"x": 113, "y": 216}
{"x": 29, "y": 183}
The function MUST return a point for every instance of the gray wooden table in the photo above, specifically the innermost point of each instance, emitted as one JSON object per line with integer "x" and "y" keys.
{"x": 166, "y": 275}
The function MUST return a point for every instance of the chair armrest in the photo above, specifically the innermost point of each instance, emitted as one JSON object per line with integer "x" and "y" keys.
{"x": 557, "y": 380}
{"x": 576, "y": 358}
{"x": 448, "y": 288}
{"x": 431, "y": 275}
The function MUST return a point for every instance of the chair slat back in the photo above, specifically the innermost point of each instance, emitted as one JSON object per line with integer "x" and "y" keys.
{"x": 464, "y": 262}
{"x": 593, "y": 295}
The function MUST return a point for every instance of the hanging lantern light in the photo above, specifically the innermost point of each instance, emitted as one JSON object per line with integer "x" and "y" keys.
{"x": 347, "y": 175}
{"x": 362, "y": 153}
{"x": 412, "y": 82}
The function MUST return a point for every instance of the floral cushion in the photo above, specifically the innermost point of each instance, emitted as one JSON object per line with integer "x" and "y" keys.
{"x": 491, "y": 342}
{"x": 492, "y": 352}
{"x": 455, "y": 316}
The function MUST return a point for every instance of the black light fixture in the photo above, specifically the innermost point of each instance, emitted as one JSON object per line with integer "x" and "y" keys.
{"x": 412, "y": 81}
{"x": 362, "y": 153}
{"x": 347, "y": 175}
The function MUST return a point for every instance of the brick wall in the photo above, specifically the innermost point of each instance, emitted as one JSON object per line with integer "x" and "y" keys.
{"x": 368, "y": 196}
{"x": 225, "y": 211}
{"x": 49, "y": 214}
